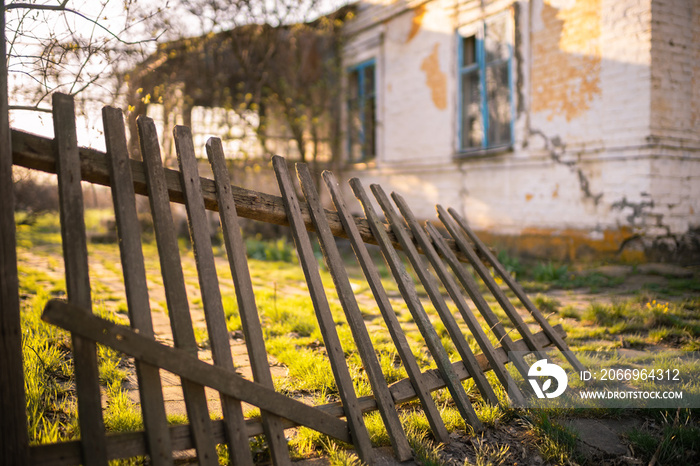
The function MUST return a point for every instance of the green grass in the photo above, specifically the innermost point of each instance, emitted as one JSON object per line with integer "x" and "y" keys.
{"x": 48, "y": 371}
{"x": 489, "y": 455}
{"x": 270, "y": 250}
{"x": 674, "y": 440}
{"x": 546, "y": 304}
{"x": 546, "y": 275}
{"x": 664, "y": 315}
{"x": 425, "y": 451}
{"x": 555, "y": 442}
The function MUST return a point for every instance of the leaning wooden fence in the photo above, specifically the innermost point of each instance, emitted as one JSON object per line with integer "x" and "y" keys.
{"x": 447, "y": 254}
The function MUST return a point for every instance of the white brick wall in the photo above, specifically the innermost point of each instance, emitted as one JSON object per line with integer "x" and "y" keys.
{"x": 608, "y": 137}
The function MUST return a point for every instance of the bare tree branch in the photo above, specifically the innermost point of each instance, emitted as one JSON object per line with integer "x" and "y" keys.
{"x": 33, "y": 108}
{"x": 34, "y": 6}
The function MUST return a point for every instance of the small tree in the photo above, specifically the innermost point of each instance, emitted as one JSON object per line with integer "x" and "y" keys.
{"x": 286, "y": 73}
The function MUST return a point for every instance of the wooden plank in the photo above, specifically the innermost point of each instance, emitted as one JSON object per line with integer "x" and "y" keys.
{"x": 129, "y": 444}
{"x": 356, "y": 423}
{"x": 136, "y": 286}
{"x": 14, "y": 441}
{"x": 398, "y": 337}
{"x": 432, "y": 287}
{"x": 75, "y": 255}
{"x": 32, "y": 151}
{"x": 189, "y": 367}
{"x": 519, "y": 292}
{"x": 247, "y": 308}
{"x": 472, "y": 288}
{"x": 174, "y": 284}
{"x": 479, "y": 335}
{"x": 231, "y": 408}
{"x": 490, "y": 283}
{"x": 453, "y": 290}
{"x": 336, "y": 266}
{"x": 410, "y": 296}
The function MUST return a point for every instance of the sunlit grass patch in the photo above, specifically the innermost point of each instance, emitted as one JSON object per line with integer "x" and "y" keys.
{"x": 338, "y": 456}
{"x": 486, "y": 454}
{"x": 490, "y": 415}
{"x": 426, "y": 452}
{"x": 32, "y": 281}
{"x": 309, "y": 369}
{"x": 279, "y": 250}
{"x": 569, "y": 312}
{"x": 377, "y": 431}
{"x": 306, "y": 443}
{"x": 121, "y": 414}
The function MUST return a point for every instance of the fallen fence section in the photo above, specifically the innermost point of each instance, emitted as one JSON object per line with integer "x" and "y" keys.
{"x": 158, "y": 441}
{"x": 294, "y": 413}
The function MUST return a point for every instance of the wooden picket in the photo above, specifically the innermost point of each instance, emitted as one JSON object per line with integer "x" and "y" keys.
{"x": 159, "y": 441}
{"x": 75, "y": 256}
{"x": 135, "y": 284}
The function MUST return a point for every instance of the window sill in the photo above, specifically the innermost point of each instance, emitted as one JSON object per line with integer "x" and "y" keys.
{"x": 479, "y": 153}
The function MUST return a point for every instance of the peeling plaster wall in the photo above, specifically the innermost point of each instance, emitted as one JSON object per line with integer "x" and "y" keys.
{"x": 607, "y": 145}
{"x": 418, "y": 67}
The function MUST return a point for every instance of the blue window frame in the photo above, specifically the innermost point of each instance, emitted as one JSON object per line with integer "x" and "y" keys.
{"x": 485, "y": 88}
{"x": 362, "y": 140}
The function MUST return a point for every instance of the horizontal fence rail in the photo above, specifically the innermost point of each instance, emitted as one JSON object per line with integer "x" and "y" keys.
{"x": 37, "y": 152}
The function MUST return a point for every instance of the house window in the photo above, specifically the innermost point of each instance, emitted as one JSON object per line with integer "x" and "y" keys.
{"x": 486, "y": 103}
{"x": 362, "y": 141}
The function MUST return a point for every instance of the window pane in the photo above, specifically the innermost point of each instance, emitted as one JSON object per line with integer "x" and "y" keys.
{"x": 368, "y": 146}
{"x": 353, "y": 83}
{"x": 369, "y": 80}
{"x": 498, "y": 101}
{"x": 361, "y": 113}
{"x": 472, "y": 126}
{"x": 354, "y": 130}
{"x": 496, "y": 41}
{"x": 468, "y": 51}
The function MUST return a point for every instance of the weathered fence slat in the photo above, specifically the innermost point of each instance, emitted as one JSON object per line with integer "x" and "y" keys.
{"x": 174, "y": 284}
{"x": 331, "y": 340}
{"x": 247, "y": 308}
{"x": 479, "y": 335}
{"x": 457, "y": 298}
{"x": 472, "y": 288}
{"x": 410, "y": 296}
{"x": 75, "y": 255}
{"x": 398, "y": 337}
{"x": 135, "y": 284}
{"x": 14, "y": 438}
{"x": 189, "y": 367}
{"x": 519, "y": 292}
{"x": 336, "y": 266}
{"x": 431, "y": 286}
{"x": 231, "y": 408}
{"x": 490, "y": 283}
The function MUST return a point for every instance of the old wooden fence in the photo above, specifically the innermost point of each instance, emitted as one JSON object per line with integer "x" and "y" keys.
{"x": 447, "y": 253}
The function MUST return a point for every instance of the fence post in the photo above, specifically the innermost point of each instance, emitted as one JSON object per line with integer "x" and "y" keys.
{"x": 14, "y": 440}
